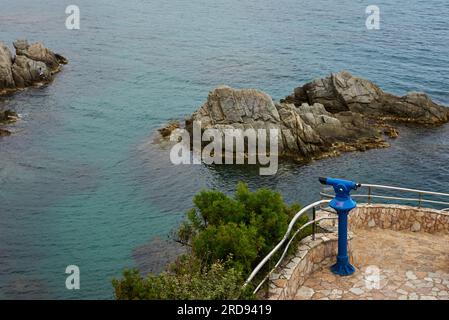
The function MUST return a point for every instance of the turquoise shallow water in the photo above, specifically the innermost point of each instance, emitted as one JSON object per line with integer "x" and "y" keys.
{"x": 80, "y": 182}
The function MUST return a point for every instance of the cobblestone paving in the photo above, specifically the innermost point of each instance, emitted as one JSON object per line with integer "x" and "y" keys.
{"x": 390, "y": 265}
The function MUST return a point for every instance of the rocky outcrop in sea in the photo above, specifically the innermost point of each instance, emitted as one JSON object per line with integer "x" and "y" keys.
{"x": 325, "y": 117}
{"x": 31, "y": 65}
{"x": 341, "y": 92}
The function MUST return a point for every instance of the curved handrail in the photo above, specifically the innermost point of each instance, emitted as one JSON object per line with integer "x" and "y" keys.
{"x": 287, "y": 246}
{"x": 378, "y": 186}
{"x": 389, "y": 198}
{"x": 287, "y": 233}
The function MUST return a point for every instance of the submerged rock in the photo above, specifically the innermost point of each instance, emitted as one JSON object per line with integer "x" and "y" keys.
{"x": 339, "y": 113}
{"x": 4, "y": 132}
{"x": 169, "y": 128}
{"x": 154, "y": 256}
{"x": 7, "y": 116}
{"x": 32, "y": 64}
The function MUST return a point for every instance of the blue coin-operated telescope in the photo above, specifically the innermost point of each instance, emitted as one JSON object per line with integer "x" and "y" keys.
{"x": 342, "y": 203}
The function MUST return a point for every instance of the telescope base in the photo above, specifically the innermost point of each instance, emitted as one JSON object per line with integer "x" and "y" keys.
{"x": 343, "y": 268}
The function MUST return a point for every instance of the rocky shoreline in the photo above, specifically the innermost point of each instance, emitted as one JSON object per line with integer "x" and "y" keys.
{"x": 325, "y": 117}
{"x": 32, "y": 65}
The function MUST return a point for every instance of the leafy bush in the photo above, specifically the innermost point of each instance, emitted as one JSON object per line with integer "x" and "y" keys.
{"x": 218, "y": 242}
{"x": 246, "y": 226}
{"x": 188, "y": 280}
{"x": 240, "y": 230}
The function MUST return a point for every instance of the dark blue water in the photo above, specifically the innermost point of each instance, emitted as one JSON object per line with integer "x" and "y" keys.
{"x": 80, "y": 181}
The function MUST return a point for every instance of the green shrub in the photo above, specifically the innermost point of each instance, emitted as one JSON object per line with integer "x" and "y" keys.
{"x": 240, "y": 242}
{"x": 189, "y": 279}
{"x": 240, "y": 230}
{"x": 246, "y": 226}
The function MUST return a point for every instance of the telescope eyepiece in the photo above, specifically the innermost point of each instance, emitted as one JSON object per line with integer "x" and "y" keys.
{"x": 322, "y": 180}
{"x": 339, "y": 183}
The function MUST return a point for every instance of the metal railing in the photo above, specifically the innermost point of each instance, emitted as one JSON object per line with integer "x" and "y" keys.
{"x": 420, "y": 200}
{"x": 326, "y": 199}
{"x": 284, "y": 239}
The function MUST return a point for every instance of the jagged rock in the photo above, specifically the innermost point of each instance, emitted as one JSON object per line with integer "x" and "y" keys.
{"x": 32, "y": 64}
{"x": 325, "y": 117}
{"x": 27, "y": 72}
{"x": 306, "y": 132}
{"x": 228, "y": 108}
{"x": 344, "y": 92}
{"x": 169, "y": 128}
{"x": 6, "y": 61}
{"x": 391, "y": 132}
{"x": 21, "y": 46}
{"x": 38, "y": 52}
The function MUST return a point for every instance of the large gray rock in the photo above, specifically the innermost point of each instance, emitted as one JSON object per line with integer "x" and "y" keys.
{"x": 306, "y": 131}
{"x": 228, "y": 108}
{"x": 27, "y": 72}
{"x": 38, "y": 52}
{"x": 344, "y": 92}
{"x": 225, "y": 105}
{"x": 6, "y": 61}
{"x": 325, "y": 117}
{"x": 32, "y": 64}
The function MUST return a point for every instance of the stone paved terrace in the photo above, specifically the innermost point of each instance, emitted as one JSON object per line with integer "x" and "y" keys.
{"x": 412, "y": 265}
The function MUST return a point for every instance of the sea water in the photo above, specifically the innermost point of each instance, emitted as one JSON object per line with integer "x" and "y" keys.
{"x": 81, "y": 182}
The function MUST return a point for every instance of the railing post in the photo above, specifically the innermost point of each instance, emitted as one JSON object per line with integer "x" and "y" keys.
{"x": 369, "y": 195}
{"x": 420, "y": 200}
{"x": 314, "y": 223}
